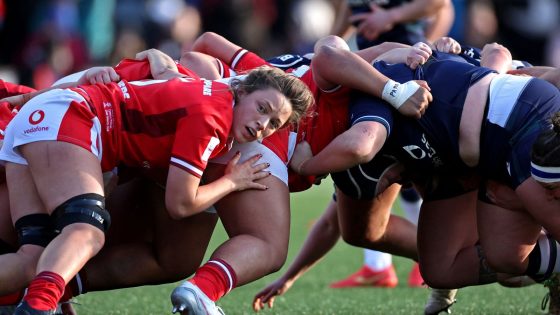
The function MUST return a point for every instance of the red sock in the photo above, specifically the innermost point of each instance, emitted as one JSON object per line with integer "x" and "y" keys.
{"x": 215, "y": 279}
{"x": 11, "y": 299}
{"x": 45, "y": 291}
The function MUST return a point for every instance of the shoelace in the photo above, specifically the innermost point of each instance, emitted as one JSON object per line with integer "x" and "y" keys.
{"x": 545, "y": 300}
{"x": 548, "y": 283}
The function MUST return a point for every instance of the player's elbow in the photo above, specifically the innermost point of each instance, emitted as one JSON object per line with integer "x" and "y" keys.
{"x": 203, "y": 41}
{"x": 362, "y": 154}
{"x": 325, "y": 55}
{"x": 178, "y": 208}
{"x": 360, "y": 151}
{"x": 364, "y": 141}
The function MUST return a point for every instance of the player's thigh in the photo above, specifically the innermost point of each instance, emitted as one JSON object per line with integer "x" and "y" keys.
{"x": 360, "y": 217}
{"x": 7, "y": 232}
{"x": 264, "y": 214}
{"x": 445, "y": 227}
{"x": 181, "y": 244}
{"x": 506, "y": 236}
{"x": 62, "y": 170}
{"x": 131, "y": 212}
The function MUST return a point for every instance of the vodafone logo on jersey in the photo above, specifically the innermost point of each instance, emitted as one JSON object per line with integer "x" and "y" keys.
{"x": 36, "y": 117}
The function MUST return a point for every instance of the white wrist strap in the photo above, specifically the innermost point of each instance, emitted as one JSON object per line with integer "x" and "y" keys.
{"x": 396, "y": 93}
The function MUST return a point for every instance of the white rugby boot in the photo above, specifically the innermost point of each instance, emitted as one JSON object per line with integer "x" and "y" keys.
{"x": 189, "y": 299}
{"x": 440, "y": 300}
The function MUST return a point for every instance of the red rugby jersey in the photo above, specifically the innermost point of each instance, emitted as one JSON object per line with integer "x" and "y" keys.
{"x": 154, "y": 123}
{"x": 11, "y": 89}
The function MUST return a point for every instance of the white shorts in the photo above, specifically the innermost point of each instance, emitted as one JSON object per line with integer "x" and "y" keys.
{"x": 56, "y": 115}
{"x": 277, "y": 166}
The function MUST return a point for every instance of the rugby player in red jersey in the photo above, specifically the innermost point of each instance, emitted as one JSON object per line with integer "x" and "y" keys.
{"x": 90, "y": 129}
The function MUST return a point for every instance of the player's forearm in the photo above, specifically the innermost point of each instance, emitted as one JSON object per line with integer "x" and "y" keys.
{"x": 332, "y": 67}
{"x": 552, "y": 76}
{"x": 355, "y": 146}
{"x": 341, "y": 25}
{"x": 181, "y": 204}
{"x": 17, "y": 101}
{"x": 215, "y": 45}
{"x": 440, "y": 24}
{"x": 371, "y": 53}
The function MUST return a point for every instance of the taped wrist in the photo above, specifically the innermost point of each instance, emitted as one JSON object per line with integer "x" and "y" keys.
{"x": 396, "y": 93}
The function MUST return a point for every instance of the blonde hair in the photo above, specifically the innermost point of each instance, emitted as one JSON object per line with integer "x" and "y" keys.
{"x": 291, "y": 87}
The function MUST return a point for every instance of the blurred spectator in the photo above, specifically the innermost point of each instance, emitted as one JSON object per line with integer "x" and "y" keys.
{"x": 530, "y": 29}
{"x": 312, "y": 19}
{"x": 377, "y": 21}
{"x": 44, "y": 40}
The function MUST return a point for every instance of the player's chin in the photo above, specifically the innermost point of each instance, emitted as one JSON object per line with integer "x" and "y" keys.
{"x": 241, "y": 137}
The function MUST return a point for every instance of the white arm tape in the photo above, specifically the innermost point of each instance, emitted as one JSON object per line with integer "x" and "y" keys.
{"x": 396, "y": 93}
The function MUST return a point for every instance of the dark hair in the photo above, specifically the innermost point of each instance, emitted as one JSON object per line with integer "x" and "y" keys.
{"x": 546, "y": 148}
{"x": 265, "y": 77}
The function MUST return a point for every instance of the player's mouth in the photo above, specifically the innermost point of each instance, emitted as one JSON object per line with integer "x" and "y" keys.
{"x": 251, "y": 132}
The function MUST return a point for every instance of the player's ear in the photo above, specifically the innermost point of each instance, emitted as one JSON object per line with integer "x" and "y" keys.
{"x": 241, "y": 93}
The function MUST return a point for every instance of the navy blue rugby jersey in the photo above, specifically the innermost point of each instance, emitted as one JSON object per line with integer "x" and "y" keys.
{"x": 431, "y": 142}
{"x": 290, "y": 61}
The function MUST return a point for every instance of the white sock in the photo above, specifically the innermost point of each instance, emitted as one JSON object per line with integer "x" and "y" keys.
{"x": 411, "y": 210}
{"x": 377, "y": 261}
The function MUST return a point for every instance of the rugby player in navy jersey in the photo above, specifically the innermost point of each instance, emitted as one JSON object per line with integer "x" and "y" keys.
{"x": 374, "y": 22}
{"x": 479, "y": 129}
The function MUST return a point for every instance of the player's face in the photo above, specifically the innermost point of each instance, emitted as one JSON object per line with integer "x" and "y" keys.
{"x": 552, "y": 190}
{"x": 259, "y": 114}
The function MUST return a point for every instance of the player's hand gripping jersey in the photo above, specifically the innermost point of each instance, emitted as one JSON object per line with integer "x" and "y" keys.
{"x": 132, "y": 69}
{"x": 8, "y": 89}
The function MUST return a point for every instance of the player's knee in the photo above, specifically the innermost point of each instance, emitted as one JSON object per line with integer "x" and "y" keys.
{"x": 367, "y": 239}
{"x": 85, "y": 214}
{"x": 437, "y": 272}
{"x": 86, "y": 208}
{"x": 504, "y": 262}
{"x": 351, "y": 238}
{"x": 279, "y": 260}
{"x": 276, "y": 253}
{"x": 438, "y": 280}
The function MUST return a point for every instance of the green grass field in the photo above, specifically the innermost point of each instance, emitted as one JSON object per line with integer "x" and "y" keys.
{"x": 311, "y": 295}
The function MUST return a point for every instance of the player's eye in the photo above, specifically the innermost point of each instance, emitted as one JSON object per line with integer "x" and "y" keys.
{"x": 275, "y": 123}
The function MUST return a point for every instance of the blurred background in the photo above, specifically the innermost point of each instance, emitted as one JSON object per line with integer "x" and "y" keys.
{"x": 43, "y": 40}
